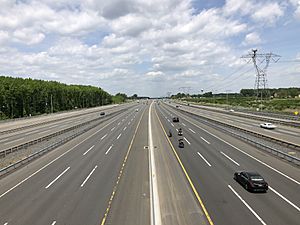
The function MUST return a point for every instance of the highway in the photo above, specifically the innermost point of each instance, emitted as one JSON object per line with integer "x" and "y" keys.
{"x": 282, "y": 132}
{"x": 42, "y": 126}
{"x": 128, "y": 171}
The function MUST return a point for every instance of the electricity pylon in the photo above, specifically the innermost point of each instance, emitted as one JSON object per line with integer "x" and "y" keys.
{"x": 261, "y": 84}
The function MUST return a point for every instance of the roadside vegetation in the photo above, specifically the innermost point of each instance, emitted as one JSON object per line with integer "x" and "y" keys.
{"x": 279, "y": 100}
{"x": 27, "y": 97}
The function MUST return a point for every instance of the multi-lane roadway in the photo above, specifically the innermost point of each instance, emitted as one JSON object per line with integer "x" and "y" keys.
{"x": 128, "y": 171}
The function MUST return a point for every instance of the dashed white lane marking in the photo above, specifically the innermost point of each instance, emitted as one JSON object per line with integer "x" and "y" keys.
{"x": 5, "y": 223}
{"x": 119, "y": 136}
{"x": 284, "y": 198}
{"x": 89, "y": 150}
{"x": 176, "y": 129}
{"x": 172, "y": 124}
{"x": 169, "y": 120}
{"x": 119, "y": 123}
{"x": 131, "y": 120}
{"x": 288, "y": 132}
{"x": 4, "y": 140}
{"x": 20, "y": 139}
{"x": 187, "y": 140}
{"x": 52, "y": 161}
{"x": 53, "y": 223}
{"x": 230, "y": 158}
{"x": 45, "y": 131}
{"x": 125, "y": 128}
{"x": 205, "y": 140}
{"x": 103, "y": 136}
{"x": 183, "y": 124}
{"x": 246, "y": 204}
{"x": 192, "y": 130}
{"x": 273, "y": 132}
{"x": 113, "y": 128}
{"x": 57, "y": 178}
{"x": 204, "y": 159}
{"x": 128, "y": 123}
{"x": 108, "y": 150}
{"x": 88, "y": 177}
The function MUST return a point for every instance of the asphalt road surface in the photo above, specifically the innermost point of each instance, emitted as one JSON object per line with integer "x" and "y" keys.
{"x": 128, "y": 171}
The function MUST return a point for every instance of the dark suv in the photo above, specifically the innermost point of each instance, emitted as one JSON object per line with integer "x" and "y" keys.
{"x": 175, "y": 119}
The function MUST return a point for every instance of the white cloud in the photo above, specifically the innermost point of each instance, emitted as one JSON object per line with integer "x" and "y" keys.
{"x": 252, "y": 39}
{"x": 268, "y": 13}
{"x": 131, "y": 45}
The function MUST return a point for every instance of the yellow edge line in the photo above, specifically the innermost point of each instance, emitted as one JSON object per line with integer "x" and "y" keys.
{"x": 186, "y": 174}
{"x": 120, "y": 173}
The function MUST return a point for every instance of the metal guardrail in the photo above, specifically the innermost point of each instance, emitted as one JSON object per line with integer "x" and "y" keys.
{"x": 48, "y": 148}
{"x": 3, "y": 153}
{"x": 279, "y": 153}
{"x": 47, "y": 122}
{"x": 295, "y": 123}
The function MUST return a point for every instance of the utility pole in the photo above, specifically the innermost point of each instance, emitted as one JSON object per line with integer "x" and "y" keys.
{"x": 261, "y": 72}
{"x": 51, "y": 102}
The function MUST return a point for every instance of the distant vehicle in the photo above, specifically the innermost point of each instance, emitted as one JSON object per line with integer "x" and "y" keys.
{"x": 180, "y": 143}
{"x": 267, "y": 125}
{"x": 180, "y": 132}
{"x": 231, "y": 110}
{"x": 175, "y": 119}
{"x": 102, "y": 113}
{"x": 251, "y": 181}
{"x": 136, "y": 110}
{"x": 177, "y": 106}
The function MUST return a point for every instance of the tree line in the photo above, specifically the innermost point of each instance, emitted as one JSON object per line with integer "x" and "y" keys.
{"x": 291, "y": 92}
{"x": 27, "y": 97}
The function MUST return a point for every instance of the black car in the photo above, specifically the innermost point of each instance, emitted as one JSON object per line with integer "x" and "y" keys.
{"x": 175, "y": 119}
{"x": 180, "y": 132}
{"x": 102, "y": 113}
{"x": 251, "y": 181}
{"x": 180, "y": 143}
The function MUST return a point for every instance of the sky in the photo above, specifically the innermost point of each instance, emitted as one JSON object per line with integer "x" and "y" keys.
{"x": 151, "y": 47}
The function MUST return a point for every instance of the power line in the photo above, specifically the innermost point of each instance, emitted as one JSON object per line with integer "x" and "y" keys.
{"x": 261, "y": 72}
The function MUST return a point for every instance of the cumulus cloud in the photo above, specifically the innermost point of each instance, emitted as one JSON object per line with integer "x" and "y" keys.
{"x": 252, "y": 39}
{"x": 131, "y": 45}
{"x": 268, "y": 13}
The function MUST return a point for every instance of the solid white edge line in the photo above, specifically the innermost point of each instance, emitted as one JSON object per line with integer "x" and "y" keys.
{"x": 284, "y": 198}
{"x": 89, "y": 150}
{"x": 119, "y": 136}
{"x": 246, "y": 204}
{"x": 54, "y": 160}
{"x": 205, "y": 140}
{"x": 103, "y": 136}
{"x": 49, "y": 185}
{"x": 6, "y": 143}
{"x": 192, "y": 131}
{"x": 108, "y": 150}
{"x": 263, "y": 163}
{"x": 230, "y": 158}
{"x": 187, "y": 140}
{"x": 204, "y": 159}
{"x": 88, "y": 177}
{"x": 154, "y": 197}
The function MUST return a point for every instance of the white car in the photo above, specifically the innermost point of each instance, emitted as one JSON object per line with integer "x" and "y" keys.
{"x": 267, "y": 125}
